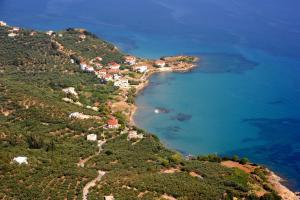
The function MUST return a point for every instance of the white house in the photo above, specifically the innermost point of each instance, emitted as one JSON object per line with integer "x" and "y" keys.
{"x": 141, "y": 69}
{"x": 16, "y": 29}
{"x": 134, "y": 135}
{"x": 160, "y": 63}
{"x": 131, "y": 60}
{"x": 116, "y": 76}
{"x": 82, "y": 36}
{"x": 2, "y": 23}
{"x": 91, "y": 137}
{"x": 78, "y": 115}
{"x": 21, "y": 160}
{"x": 109, "y": 198}
{"x": 83, "y": 66}
{"x": 12, "y": 35}
{"x": 98, "y": 58}
{"x": 49, "y": 32}
{"x": 122, "y": 83}
{"x": 89, "y": 69}
{"x": 70, "y": 90}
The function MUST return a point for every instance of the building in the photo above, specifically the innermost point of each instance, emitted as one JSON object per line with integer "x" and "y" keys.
{"x": 160, "y": 63}
{"x": 33, "y": 33}
{"x": 78, "y": 115}
{"x": 89, "y": 69}
{"x": 113, "y": 123}
{"x": 70, "y": 90}
{"x": 101, "y": 73}
{"x": 83, "y": 66}
{"x": 50, "y": 33}
{"x": 134, "y": 135}
{"x": 2, "y": 23}
{"x": 21, "y": 160}
{"x": 108, "y": 77}
{"x": 122, "y": 83}
{"x": 98, "y": 59}
{"x": 91, "y": 137}
{"x": 116, "y": 76}
{"x": 98, "y": 65}
{"x": 131, "y": 60}
{"x": 109, "y": 198}
{"x": 82, "y": 36}
{"x": 12, "y": 35}
{"x": 16, "y": 29}
{"x": 141, "y": 69}
{"x": 113, "y": 71}
{"x": 86, "y": 68}
{"x": 114, "y": 65}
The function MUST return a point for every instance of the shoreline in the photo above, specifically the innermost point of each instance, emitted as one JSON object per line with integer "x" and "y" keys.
{"x": 141, "y": 87}
{"x": 275, "y": 181}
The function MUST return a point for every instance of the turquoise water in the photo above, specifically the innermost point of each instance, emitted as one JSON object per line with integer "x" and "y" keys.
{"x": 244, "y": 96}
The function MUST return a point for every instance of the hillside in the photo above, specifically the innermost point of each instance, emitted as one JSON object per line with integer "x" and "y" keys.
{"x": 44, "y": 120}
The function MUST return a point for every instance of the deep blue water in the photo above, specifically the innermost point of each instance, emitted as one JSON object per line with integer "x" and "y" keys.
{"x": 243, "y": 99}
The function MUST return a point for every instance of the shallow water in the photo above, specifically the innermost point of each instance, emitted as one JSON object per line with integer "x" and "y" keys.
{"x": 244, "y": 97}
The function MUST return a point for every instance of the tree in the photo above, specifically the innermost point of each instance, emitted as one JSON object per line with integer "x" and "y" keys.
{"x": 244, "y": 161}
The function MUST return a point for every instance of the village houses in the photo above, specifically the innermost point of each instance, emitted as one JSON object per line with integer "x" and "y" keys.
{"x": 122, "y": 83}
{"x": 131, "y": 60}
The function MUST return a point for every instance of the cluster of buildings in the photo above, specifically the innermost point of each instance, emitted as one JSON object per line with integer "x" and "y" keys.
{"x": 112, "y": 71}
{"x": 13, "y": 32}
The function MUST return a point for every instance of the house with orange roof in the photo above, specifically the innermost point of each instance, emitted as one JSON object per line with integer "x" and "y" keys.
{"x": 101, "y": 73}
{"x": 108, "y": 77}
{"x": 113, "y": 123}
{"x": 114, "y": 65}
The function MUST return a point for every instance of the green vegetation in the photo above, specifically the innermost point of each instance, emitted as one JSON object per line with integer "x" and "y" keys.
{"x": 34, "y": 122}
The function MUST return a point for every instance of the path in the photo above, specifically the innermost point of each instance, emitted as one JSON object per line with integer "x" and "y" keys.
{"x": 92, "y": 184}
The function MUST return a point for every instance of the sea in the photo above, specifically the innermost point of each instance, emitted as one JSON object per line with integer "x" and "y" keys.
{"x": 244, "y": 96}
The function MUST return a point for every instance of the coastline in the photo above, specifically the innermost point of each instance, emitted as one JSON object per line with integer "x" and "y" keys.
{"x": 139, "y": 88}
{"x": 185, "y": 66}
{"x": 284, "y": 192}
{"x": 275, "y": 181}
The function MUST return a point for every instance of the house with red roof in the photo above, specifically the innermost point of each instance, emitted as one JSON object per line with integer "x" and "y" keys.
{"x": 108, "y": 77}
{"x": 113, "y": 123}
{"x": 101, "y": 73}
{"x": 114, "y": 65}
